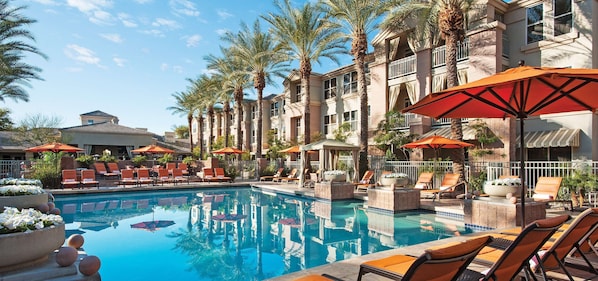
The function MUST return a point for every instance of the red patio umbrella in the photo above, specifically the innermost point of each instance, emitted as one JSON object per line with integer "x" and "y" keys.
{"x": 152, "y": 225}
{"x": 153, "y": 149}
{"x": 228, "y": 217}
{"x": 228, "y": 150}
{"x": 437, "y": 142}
{"x": 518, "y": 93}
{"x": 54, "y": 147}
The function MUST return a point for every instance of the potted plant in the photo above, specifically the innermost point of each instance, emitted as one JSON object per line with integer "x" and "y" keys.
{"x": 577, "y": 184}
{"x": 85, "y": 161}
{"x": 398, "y": 179}
{"x": 335, "y": 176}
{"x": 165, "y": 159}
{"x": 502, "y": 187}
{"x": 139, "y": 160}
{"x": 21, "y": 193}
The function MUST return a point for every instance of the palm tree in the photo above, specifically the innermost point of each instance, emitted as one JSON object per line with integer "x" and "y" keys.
{"x": 257, "y": 51}
{"x": 359, "y": 18}
{"x": 449, "y": 16}
{"x": 306, "y": 34}
{"x": 14, "y": 73}
{"x": 185, "y": 105}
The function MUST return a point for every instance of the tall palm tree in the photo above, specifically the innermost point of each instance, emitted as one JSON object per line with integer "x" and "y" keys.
{"x": 234, "y": 80}
{"x": 185, "y": 105}
{"x": 449, "y": 17}
{"x": 14, "y": 72}
{"x": 257, "y": 51}
{"x": 209, "y": 98}
{"x": 305, "y": 34}
{"x": 359, "y": 17}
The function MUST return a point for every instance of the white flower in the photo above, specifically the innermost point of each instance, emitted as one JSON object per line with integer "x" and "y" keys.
{"x": 12, "y": 220}
{"x": 16, "y": 187}
{"x": 395, "y": 175}
{"x": 334, "y": 172}
{"x": 506, "y": 181}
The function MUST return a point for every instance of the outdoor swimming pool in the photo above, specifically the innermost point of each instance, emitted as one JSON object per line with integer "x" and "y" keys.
{"x": 234, "y": 234}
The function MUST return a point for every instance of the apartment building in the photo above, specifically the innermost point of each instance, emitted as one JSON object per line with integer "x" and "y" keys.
{"x": 404, "y": 68}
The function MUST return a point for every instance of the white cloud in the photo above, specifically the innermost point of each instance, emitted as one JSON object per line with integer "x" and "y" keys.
{"x": 113, "y": 37}
{"x": 177, "y": 69}
{"x": 119, "y": 61}
{"x": 223, "y": 14}
{"x": 159, "y": 22}
{"x": 193, "y": 40}
{"x": 101, "y": 17}
{"x": 184, "y": 7}
{"x": 164, "y": 67}
{"x": 94, "y": 9}
{"x": 154, "y": 32}
{"x": 81, "y": 54}
{"x": 143, "y": 1}
{"x": 221, "y": 31}
{"x": 126, "y": 20}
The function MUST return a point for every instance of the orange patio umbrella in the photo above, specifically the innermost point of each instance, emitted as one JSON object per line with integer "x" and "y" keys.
{"x": 153, "y": 149}
{"x": 518, "y": 93}
{"x": 228, "y": 150}
{"x": 54, "y": 147}
{"x": 292, "y": 149}
{"x": 437, "y": 142}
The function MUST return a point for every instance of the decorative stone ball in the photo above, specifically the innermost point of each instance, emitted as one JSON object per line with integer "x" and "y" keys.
{"x": 55, "y": 211}
{"x": 66, "y": 256}
{"x": 89, "y": 265}
{"x": 513, "y": 200}
{"x": 51, "y": 205}
{"x": 509, "y": 195}
{"x": 76, "y": 241}
{"x": 44, "y": 208}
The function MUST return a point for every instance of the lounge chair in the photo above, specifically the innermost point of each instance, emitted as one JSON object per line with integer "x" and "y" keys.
{"x": 88, "y": 178}
{"x": 277, "y": 175}
{"x": 221, "y": 176}
{"x": 113, "y": 168}
{"x": 292, "y": 176}
{"x": 547, "y": 190}
{"x": 164, "y": 177}
{"x": 449, "y": 185}
{"x": 509, "y": 259}
{"x": 100, "y": 169}
{"x": 170, "y": 166}
{"x": 314, "y": 277}
{"x": 311, "y": 181}
{"x": 184, "y": 168}
{"x": 69, "y": 179}
{"x": 445, "y": 263}
{"x": 208, "y": 174}
{"x": 424, "y": 181}
{"x": 127, "y": 177}
{"x": 177, "y": 176}
{"x": 143, "y": 176}
{"x": 365, "y": 181}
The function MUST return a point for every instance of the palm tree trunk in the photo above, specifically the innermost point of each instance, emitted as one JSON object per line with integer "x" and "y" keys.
{"x": 238, "y": 113}
{"x": 260, "y": 84}
{"x": 226, "y": 123}
{"x": 190, "y": 124}
{"x": 451, "y": 81}
{"x": 305, "y": 73}
{"x": 200, "y": 128}
{"x": 211, "y": 134}
{"x": 359, "y": 48}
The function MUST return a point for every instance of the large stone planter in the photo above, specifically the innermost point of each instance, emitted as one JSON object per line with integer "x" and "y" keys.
{"x": 25, "y": 249}
{"x": 396, "y": 181}
{"x": 394, "y": 200}
{"x": 334, "y": 190}
{"x": 501, "y": 190}
{"x": 336, "y": 178}
{"x": 23, "y": 201}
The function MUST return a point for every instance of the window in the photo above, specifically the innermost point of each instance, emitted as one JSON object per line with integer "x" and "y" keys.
{"x": 253, "y": 112}
{"x": 329, "y": 124}
{"x": 535, "y": 22}
{"x": 297, "y": 97}
{"x": 330, "y": 88}
{"x": 351, "y": 117}
{"x": 563, "y": 17}
{"x": 253, "y": 139}
{"x": 274, "y": 109}
{"x": 350, "y": 83}
{"x": 89, "y": 122}
{"x": 275, "y": 133}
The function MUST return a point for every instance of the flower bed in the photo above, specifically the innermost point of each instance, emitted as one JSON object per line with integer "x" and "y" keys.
{"x": 335, "y": 175}
{"x": 21, "y": 193}
{"x": 502, "y": 187}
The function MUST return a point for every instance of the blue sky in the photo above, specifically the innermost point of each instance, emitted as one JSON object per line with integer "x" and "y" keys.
{"x": 127, "y": 57}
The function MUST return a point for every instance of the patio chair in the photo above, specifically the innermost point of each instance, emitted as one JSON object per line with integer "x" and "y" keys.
{"x": 208, "y": 174}
{"x": 547, "y": 190}
{"x": 507, "y": 262}
{"x": 100, "y": 169}
{"x": 311, "y": 181}
{"x": 449, "y": 185}
{"x": 170, "y": 166}
{"x": 292, "y": 176}
{"x": 424, "y": 181}
{"x": 113, "y": 168}
{"x": 314, "y": 277}
{"x": 184, "y": 168}
{"x": 69, "y": 179}
{"x": 445, "y": 263}
{"x": 88, "y": 178}
{"x": 221, "y": 176}
{"x": 143, "y": 177}
{"x": 365, "y": 181}
{"x": 177, "y": 176}
{"x": 277, "y": 175}
{"x": 164, "y": 176}
{"x": 127, "y": 177}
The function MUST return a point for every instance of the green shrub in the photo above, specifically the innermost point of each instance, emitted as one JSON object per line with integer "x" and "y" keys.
{"x": 139, "y": 160}
{"x": 165, "y": 159}
{"x": 47, "y": 169}
{"x": 85, "y": 161}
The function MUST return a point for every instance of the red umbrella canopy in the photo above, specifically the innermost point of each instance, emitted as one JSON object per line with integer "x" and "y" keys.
{"x": 436, "y": 142}
{"x": 228, "y": 150}
{"x": 54, "y": 147}
{"x": 153, "y": 149}
{"x": 152, "y": 225}
{"x": 228, "y": 217}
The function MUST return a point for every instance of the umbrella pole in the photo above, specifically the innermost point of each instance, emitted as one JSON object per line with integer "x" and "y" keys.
{"x": 522, "y": 170}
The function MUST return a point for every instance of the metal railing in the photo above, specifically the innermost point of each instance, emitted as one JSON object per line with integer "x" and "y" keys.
{"x": 402, "y": 67}
{"x": 439, "y": 53}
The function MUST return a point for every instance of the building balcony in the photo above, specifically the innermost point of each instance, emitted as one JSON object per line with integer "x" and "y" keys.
{"x": 402, "y": 67}
{"x": 439, "y": 54}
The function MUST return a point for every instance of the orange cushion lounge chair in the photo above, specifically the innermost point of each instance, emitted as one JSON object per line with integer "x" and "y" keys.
{"x": 113, "y": 168}
{"x": 69, "y": 179}
{"x": 424, "y": 181}
{"x": 220, "y": 175}
{"x": 177, "y": 176}
{"x": 449, "y": 185}
{"x": 446, "y": 263}
{"x": 547, "y": 190}
{"x": 143, "y": 177}
{"x": 170, "y": 166}
{"x": 88, "y": 178}
{"x": 164, "y": 176}
{"x": 127, "y": 177}
{"x": 292, "y": 176}
{"x": 208, "y": 174}
{"x": 274, "y": 177}
{"x": 184, "y": 168}
{"x": 100, "y": 169}
{"x": 506, "y": 263}
{"x": 365, "y": 181}
{"x": 314, "y": 277}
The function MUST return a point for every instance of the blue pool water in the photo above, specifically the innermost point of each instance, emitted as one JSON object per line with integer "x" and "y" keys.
{"x": 234, "y": 234}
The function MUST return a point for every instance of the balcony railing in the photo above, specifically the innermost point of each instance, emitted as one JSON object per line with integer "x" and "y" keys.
{"x": 439, "y": 53}
{"x": 401, "y": 67}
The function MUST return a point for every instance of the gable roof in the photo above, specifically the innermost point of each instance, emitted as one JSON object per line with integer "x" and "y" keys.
{"x": 97, "y": 113}
{"x": 105, "y": 127}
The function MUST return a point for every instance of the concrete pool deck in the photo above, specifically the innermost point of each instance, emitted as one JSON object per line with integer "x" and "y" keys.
{"x": 346, "y": 269}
